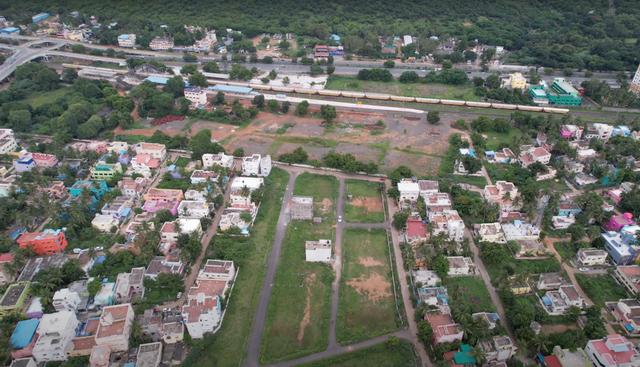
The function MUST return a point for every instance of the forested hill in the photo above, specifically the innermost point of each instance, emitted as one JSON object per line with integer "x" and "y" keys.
{"x": 594, "y": 34}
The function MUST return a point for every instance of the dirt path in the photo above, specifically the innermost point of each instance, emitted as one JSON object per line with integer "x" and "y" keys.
{"x": 376, "y": 287}
{"x": 306, "y": 319}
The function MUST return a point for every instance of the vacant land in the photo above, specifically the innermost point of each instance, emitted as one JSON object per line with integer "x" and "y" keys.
{"x": 601, "y": 288}
{"x": 498, "y": 140}
{"x": 428, "y": 90}
{"x": 469, "y": 291}
{"x": 38, "y": 99}
{"x": 367, "y": 303}
{"x": 299, "y": 310}
{"x": 364, "y": 203}
{"x": 227, "y": 347}
{"x": 381, "y": 355}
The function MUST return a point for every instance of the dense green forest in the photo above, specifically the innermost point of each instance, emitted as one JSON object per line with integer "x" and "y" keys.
{"x": 593, "y": 34}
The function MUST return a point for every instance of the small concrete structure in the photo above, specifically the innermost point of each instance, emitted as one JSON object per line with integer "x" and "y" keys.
{"x": 318, "y": 251}
{"x": 301, "y": 207}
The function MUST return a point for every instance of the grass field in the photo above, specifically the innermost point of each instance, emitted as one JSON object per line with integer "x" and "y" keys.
{"x": 601, "y": 288}
{"x": 379, "y": 355}
{"x": 366, "y": 203}
{"x": 367, "y": 304}
{"x": 471, "y": 291}
{"x": 498, "y": 140}
{"x": 299, "y": 310}
{"x": 41, "y": 98}
{"x": 228, "y": 346}
{"x": 429, "y": 90}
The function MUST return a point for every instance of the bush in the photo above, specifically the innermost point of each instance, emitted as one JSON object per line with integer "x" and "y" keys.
{"x": 380, "y": 75}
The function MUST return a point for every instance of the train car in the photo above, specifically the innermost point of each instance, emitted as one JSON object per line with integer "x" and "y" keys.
{"x": 352, "y": 94}
{"x": 452, "y": 102}
{"x": 529, "y": 108}
{"x": 282, "y": 89}
{"x": 478, "y": 104}
{"x": 329, "y": 92}
{"x": 427, "y": 100}
{"x": 503, "y": 106}
{"x": 556, "y": 110}
{"x": 378, "y": 96}
{"x": 260, "y": 86}
{"x": 305, "y": 91}
{"x": 403, "y": 99}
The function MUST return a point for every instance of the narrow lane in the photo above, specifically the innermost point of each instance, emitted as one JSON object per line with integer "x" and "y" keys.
{"x": 337, "y": 268}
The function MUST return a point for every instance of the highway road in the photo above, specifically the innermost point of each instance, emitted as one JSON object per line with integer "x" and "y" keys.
{"x": 343, "y": 67}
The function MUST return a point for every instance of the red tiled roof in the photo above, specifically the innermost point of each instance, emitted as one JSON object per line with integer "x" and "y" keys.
{"x": 415, "y": 228}
{"x": 552, "y": 361}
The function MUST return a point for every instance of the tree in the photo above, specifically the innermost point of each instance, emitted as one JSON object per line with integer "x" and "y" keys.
{"x": 315, "y": 69}
{"x": 187, "y": 57}
{"x": 400, "y": 219}
{"x": 331, "y": 69}
{"x": 93, "y": 287}
{"x": 219, "y": 98}
{"x": 239, "y": 152}
{"x": 175, "y": 86}
{"x": 425, "y": 332}
{"x": 299, "y": 155}
{"x": 328, "y": 113}
{"x": 302, "y": 108}
{"x": 201, "y": 143}
{"x": 69, "y": 75}
{"x": 285, "y": 80}
{"x": 20, "y": 120}
{"x": 285, "y": 106}
{"x": 389, "y": 64}
{"x": 273, "y": 106}
{"x": 188, "y": 69}
{"x": 198, "y": 79}
{"x": 211, "y": 67}
{"x": 471, "y": 165}
{"x": 408, "y": 77}
{"x": 433, "y": 117}
{"x": 273, "y": 74}
{"x": 258, "y": 101}
{"x": 440, "y": 266}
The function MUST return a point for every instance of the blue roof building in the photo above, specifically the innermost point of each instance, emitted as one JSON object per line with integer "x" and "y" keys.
{"x": 335, "y": 38}
{"x": 97, "y": 188}
{"x": 231, "y": 89}
{"x": 10, "y": 30}
{"x": 39, "y": 17}
{"x": 23, "y": 333}
{"x": 621, "y": 130}
{"x": 157, "y": 80}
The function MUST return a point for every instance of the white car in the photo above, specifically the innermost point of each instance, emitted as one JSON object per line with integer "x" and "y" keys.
{"x": 339, "y": 218}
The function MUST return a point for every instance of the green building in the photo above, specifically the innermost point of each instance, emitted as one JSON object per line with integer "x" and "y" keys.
{"x": 560, "y": 92}
{"x": 14, "y": 298}
{"x": 105, "y": 171}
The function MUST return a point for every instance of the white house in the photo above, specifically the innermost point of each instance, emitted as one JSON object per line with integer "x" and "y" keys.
{"x": 409, "y": 191}
{"x": 256, "y": 165}
{"x": 197, "y": 96}
{"x": 158, "y": 151}
{"x": 318, "y": 251}
{"x": 428, "y": 187}
{"x": 558, "y": 302}
{"x": 520, "y": 231}
{"x": 561, "y": 222}
{"x": 490, "y": 232}
{"x": 202, "y": 314}
{"x": 224, "y": 270}
{"x": 7, "y": 141}
{"x": 613, "y": 351}
{"x": 66, "y": 300}
{"x": 194, "y": 209}
{"x": 55, "y": 332}
{"x": 598, "y": 131}
{"x": 220, "y": 159}
{"x": 252, "y": 183}
{"x": 460, "y": 265}
{"x": 499, "y": 349}
{"x": 448, "y": 222}
{"x": 503, "y": 193}
{"x": 591, "y": 257}
{"x": 534, "y": 154}
{"x": 127, "y": 40}
{"x": 200, "y": 177}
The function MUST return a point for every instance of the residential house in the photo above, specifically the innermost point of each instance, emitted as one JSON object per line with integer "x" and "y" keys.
{"x": 154, "y": 206}
{"x": 598, "y": 131}
{"x": 558, "y": 302}
{"x": 615, "y": 195}
{"x": 65, "y": 300}
{"x": 195, "y": 195}
{"x": 161, "y": 43}
{"x": 318, "y": 251}
{"x": 547, "y": 281}
{"x": 106, "y": 296}
{"x": 97, "y": 189}
{"x": 428, "y": 187}
{"x": 445, "y": 330}
{"x": 8, "y": 142}
{"x": 591, "y": 257}
{"x": 222, "y": 160}
{"x": 5, "y": 276}
{"x": 520, "y": 231}
{"x": 163, "y": 264}
{"x": 568, "y": 209}
{"x": 437, "y": 202}
{"x": 24, "y": 338}
{"x": 585, "y": 154}
{"x": 163, "y": 195}
{"x": 437, "y": 297}
{"x": 223, "y": 270}
{"x": 149, "y": 355}
{"x": 130, "y": 286}
{"x": 460, "y": 265}
{"x": 105, "y": 223}
{"x": 621, "y": 251}
{"x": 560, "y": 222}
{"x": 533, "y": 155}
{"x": 490, "y": 232}
{"x": 252, "y": 183}
{"x": 321, "y": 52}
{"x": 567, "y": 358}
{"x": 618, "y": 221}
{"x": 105, "y": 171}
{"x": 613, "y": 351}
{"x": 503, "y": 193}
{"x": 572, "y": 166}
{"x": 169, "y": 231}
{"x": 194, "y": 209}
{"x": 572, "y": 132}
{"x": 301, "y": 207}
{"x": 36, "y": 264}
{"x": 201, "y": 177}
{"x": 119, "y": 208}
{"x": 197, "y": 96}
{"x": 55, "y": 332}
{"x": 503, "y": 156}
{"x": 14, "y": 298}
{"x": 256, "y": 165}
{"x": 426, "y": 278}
{"x": 448, "y": 222}
{"x": 24, "y": 162}
{"x": 132, "y": 188}
{"x": 500, "y": 348}
{"x": 127, "y": 40}
{"x": 158, "y": 151}
{"x": 629, "y": 277}
{"x": 43, "y": 160}
{"x": 583, "y": 179}
{"x": 47, "y": 242}
{"x": 56, "y": 190}
{"x": 409, "y": 191}
{"x": 627, "y": 313}
{"x": 115, "y": 326}
{"x": 490, "y": 319}
{"x": 416, "y": 231}
{"x": 143, "y": 163}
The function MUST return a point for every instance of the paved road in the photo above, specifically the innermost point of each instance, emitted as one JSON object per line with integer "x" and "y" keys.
{"x": 337, "y": 268}
{"x": 257, "y": 326}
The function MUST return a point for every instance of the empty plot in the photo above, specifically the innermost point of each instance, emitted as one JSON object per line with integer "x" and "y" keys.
{"x": 363, "y": 202}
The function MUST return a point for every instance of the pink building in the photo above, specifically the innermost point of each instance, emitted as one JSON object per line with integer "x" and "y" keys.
{"x": 154, "y": 206}
{"x": 164, "y": 195}
{"x": 618, "y": 221}
{"x": 571, "y": 132}
{"x": 146, "y": 159}
{"x": 44, "y": 160}
{"x": 615, "y": 195}
{"x": 613, "y": 350}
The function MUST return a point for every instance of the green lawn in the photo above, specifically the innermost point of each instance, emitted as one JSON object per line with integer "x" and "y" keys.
{"x": 379, "y": 355}
{"x": 228, "y": 346}
{"x": 446, "y": 171}
{"x": 470, "y": 291}
{"x": 427, "y": 90}
{"x": 299, "y": 310}
{"x": 601, "y": 288}
{"x": 498, "y": 140}
{"x": 38, "y": 99}
{"x": 567, "y": 250}
{"x": 365, "y": 205}
{"x": 367, "y": 304}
